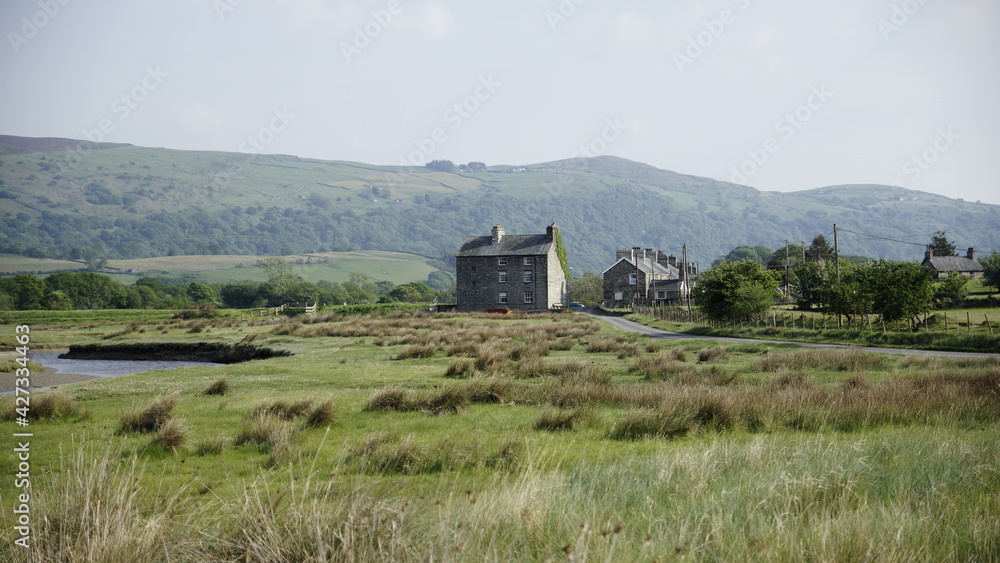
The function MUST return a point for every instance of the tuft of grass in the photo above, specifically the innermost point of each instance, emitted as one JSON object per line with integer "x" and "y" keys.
{"x": 272, "y": 434}
{"x": 417, "y": 352}
{"x": 218, "y": 387}
{"x": 638, "y": 424}
{"x": 717, "y": 354}
{"x": 213, "y": 445}
{"x": 171, "y": 435}
{"x": 320, "y": 415}
{"x": 461, "y": 368}
{"x": 283, "y": 409}
{"x": 151, "y": 418}
{"x": 48, "y": 406}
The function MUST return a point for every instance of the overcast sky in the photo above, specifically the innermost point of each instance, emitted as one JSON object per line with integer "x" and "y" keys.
{"x": 778, "y": 95}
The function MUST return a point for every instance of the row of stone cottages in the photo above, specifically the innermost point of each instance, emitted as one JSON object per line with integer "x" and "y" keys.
{"x": 522, "y": 272}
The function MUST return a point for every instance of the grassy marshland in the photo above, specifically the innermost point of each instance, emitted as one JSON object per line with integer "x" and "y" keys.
{"x": 465, "y": 437}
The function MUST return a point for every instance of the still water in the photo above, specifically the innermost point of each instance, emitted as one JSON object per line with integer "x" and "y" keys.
{"x": 108, "y": 368}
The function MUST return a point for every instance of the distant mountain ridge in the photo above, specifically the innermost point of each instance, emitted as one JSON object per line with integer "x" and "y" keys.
{"x": 65, "y": 198}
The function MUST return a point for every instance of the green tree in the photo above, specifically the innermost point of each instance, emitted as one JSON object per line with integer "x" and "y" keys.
{"x": 412, "y": 292}
{"x": 811, "y": 279}
{"x": 359, "y": 289}
{"x": 244, "y": 295}
{"x": 819, "y": 249}
{"x": 899, "y": 291}
{"x": 25, "y": 290}
{"x": 941, "y": 246}
{"x": 200, "y": 293}
{"x": 89, "y": 290}
{"x": 991, "y": 270}
{"x": 951, "y": 290}
{"x": 759, "y": 254}
{"x": 58, "y": 301}
{"x": 588, "y": 290}
{"x": 279, "y": 273}
{"x": 736, "y": 291}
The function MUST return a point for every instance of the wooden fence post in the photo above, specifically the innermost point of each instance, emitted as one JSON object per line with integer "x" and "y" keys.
{"x": 988, "y": 325}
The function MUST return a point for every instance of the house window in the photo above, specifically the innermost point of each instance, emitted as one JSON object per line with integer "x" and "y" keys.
{"x": 631, "y": 278}
{"x": 529, "y": 276}
{"x": 529, "y": 297}
{"x": 502, "y": 298}
{"x": 661, "y": 294}
{"x": 619, "y": 296}
{"x": 502, "y": 261}
{"x": 502, "y": 276}
{"x": 529, "y": 261}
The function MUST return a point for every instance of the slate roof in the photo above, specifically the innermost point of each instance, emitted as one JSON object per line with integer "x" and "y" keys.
{"x": 953, "y": 264}
{"x": 509, "y": 245}
{"x": 658, "y": 269}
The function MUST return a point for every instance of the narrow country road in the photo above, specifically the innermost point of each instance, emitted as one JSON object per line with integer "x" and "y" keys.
{"x": 632, "y": 326}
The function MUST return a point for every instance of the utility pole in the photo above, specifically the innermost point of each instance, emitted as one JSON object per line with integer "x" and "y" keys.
{"x": 787, "y": 289}
{"x": 685, "y": 285}
{"x": 836, "y": 261}
{"x": 635, "y": 258}
{"x": 836, "y": 252}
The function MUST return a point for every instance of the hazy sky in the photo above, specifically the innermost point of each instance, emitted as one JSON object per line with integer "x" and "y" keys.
{"x": 778, "y": 95}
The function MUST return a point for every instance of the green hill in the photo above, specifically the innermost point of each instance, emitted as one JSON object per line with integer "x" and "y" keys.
{"x": 72, "y": 199}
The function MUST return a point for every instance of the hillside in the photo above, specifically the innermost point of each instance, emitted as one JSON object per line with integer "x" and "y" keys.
{"x": 72, "y": 199}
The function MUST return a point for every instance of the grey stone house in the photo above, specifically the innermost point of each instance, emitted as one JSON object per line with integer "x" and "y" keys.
{"x": 943, "y": 265}
{"x": 518, "y": 272}
{"x": 646, "y": 277}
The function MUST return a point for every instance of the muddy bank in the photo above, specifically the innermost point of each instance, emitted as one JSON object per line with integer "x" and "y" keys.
{"x": 217, "y": 352}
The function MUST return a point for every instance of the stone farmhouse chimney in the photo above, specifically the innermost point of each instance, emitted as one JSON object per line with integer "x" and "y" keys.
{"x": 551, "y": 230}
{"x": 929, "y": 253}
{"x": 971, "y": 253}
{"x": 498, "y": 233}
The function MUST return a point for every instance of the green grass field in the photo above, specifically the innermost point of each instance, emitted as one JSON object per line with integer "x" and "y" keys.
{"x": 474, "y": 437}
{"x": 397, "y": 267}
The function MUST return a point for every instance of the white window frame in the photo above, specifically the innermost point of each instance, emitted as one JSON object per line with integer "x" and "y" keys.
{"x": 502, "y": 261}
{"x": 529, "y": 297}
{"x": 632, "y": 278}
{"x": 502, "y": 298}
{"x": 528, "y": 276}
{"x": 502, "y": 276}
{"x": 529, "y": 260}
